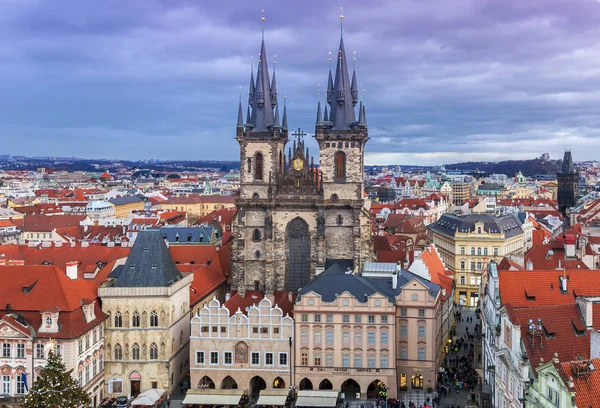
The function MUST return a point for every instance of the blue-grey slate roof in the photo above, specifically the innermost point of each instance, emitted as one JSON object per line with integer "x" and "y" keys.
{"x": 183, "y": 235}
{"x": 149, "y": 263}
{"x": 126, "y": 200}
{"x": 332, "y": 283}
{"x": 450, "y": 224}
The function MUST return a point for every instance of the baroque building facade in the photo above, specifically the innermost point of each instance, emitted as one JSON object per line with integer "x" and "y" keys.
{"x": 293, "y": 215}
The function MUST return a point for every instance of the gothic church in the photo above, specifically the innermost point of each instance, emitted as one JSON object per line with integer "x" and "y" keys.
{"x": 292, "y": 215}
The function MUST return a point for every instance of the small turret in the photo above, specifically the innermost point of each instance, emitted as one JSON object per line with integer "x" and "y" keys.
{"x": 354, "y": 89}
{"x": 284, "y": 123}
{"x": 240, "y": 119}
{"x": 325, "y": 116}
{"x": 319, "y": 118}
{"x": 276, "y": 124}
{"x": 273, "y": 89}
{"x": 330, "y": 87}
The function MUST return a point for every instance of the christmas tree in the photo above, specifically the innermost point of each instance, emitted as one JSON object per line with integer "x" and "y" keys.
{"x": 55, "y": 388}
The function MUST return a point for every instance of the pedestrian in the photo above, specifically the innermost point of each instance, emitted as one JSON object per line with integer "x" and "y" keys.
{"x": 168, "y": 402}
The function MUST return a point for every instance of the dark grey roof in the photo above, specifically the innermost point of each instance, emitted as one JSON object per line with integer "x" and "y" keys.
{"x": 449, "y": 224}
{"x": 342, "y": 101}
{"x": 567, "y": 164}
{"x": 491, "y": 186}
{"x": 182, "y": 235}
{"x": 149, "y": 263}
{"x": 125, "y": 200}
{"x": 333, "y": 282}
{"x": 261, "y": 100}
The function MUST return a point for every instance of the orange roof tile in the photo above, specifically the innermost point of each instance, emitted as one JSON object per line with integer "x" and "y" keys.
{"x": 586, "y": 388}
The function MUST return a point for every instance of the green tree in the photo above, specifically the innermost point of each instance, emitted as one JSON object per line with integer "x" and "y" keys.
{"x": 55, "y": 388}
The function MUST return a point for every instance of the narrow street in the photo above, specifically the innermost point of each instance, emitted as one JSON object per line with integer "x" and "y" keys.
{"x": 460, "y": 364}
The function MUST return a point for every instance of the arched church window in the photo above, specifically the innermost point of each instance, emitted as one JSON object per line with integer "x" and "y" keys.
{"x": 340, "y": 165}
{"x": 340, "y": 219}
{"x": 257, "y": 254}
{"x": 258, "y": 167}
{"x": 256, "y": 235}
{"x": 334, "y": 197}
{"x": 255, "y": 196}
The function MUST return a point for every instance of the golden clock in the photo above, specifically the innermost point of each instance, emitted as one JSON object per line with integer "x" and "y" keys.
{"x": 298, "y": 164}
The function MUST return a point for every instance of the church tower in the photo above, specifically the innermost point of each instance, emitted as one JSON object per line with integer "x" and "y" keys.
{"x": 568, "y": 184}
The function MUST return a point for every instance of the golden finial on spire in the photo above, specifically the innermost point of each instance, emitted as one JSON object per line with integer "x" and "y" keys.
{"x": 262, "y": 19}
{"x": 354, "y": 61}
{"x": 319, "y": 91}
{"x": 341, "y": 22}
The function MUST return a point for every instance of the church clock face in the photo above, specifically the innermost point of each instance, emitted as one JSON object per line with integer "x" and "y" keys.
{"x": 298, "y": 164}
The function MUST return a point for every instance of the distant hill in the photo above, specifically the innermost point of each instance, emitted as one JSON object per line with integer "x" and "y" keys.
{"x": 511, "y": 167}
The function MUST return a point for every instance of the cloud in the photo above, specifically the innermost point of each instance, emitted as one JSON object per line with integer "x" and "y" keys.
{"x": 445, "y": 81}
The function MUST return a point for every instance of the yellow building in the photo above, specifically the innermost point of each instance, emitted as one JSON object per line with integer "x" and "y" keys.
{"x": 467, "y": 243}
{"x": 125, "y": 205}
{"x": 197, "y": 205}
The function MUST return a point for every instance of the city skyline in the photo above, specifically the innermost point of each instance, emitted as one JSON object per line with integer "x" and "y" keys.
{"x": 476, "y": 81}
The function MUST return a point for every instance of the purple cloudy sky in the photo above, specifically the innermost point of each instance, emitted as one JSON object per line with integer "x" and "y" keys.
{"x": 445, "y": 80}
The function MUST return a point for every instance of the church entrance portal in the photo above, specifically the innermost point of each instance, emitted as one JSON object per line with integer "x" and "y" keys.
{"x": 298, "y": 254}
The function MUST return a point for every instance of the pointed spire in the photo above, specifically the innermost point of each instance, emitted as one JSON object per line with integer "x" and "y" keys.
{"x": 251, "y": 89}
{"x": 364, "y": 114}
{"x": 248, "y": 114}
{"x": 276, "y": 124}
{"x": 342, "y": 108}
{"x": 354, "y": 88}
{"x": 262, "y": 107}
{"x": 284, "y": 122}
{"x": 274, "y": 86}
{"x": 360, "y": 114}
{"x": 325, "y": 115}
{"x": 330, "y": 84}
{"x": 240, "y": 120}
{"x": 319, "y": 118}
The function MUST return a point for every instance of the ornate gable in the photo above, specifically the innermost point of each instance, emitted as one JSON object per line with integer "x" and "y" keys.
{"x": 49, "y": 322}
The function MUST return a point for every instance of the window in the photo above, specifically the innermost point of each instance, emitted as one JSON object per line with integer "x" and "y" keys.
{"x": 20, "y": 350}
{"x": 153, "y": 319}
{"x": 100, "y": 332}
{"x": 135, "y": 352}
{"x": 227, "y": 358}
{"x": 58, "y": 350}
{"x": 305, "y": 318}
{"x": 479, "y": 266}
{"x": 414, "y": 297}
{"x": 317, "y": 337}
{"x": 357, "y": 361}
{"x": 421, "y": 331}
{"x": 478, "y": 251}
{"x": 199, "y": 357}
{"x": 329, "y": 360}
{"x": 462, "y": 265}
{"x": 118, "y": 352}
{"x": 6, "y": 350}
{"x": 403, "y": 353}
{"x": 495, "y": 251}
{"x": 346, "y": 338}
{"x": 384, "y": 338}
{"x": 371, "y": 319}
{"x": 317, "y": 318}
{"x": 346, "y": 319}
{"x": 472, "y": 250}
{"x": 101, "y": 362}
{"x": 118, "y": 320}
{"x": 329, "y": 319}
{"x": 462, "y": 250}
{"x": 258, "y": 168}
{"x": 80, "y": 377}
{"x": 421, "y": 312}
{"x": 403, "y": 312}
{"x": 255, "y": 358}
{"x": 340, "y": 219}
{"x": 87, "y": 374}
{"x": 421, "y": 354}
{"x": 87, "y": 342}
{"x": 345, "y": 302}
{"x": 304, "y": 358}
{"x": 329, "y": 336}
{"x": 249, "y": 164}
{"x": 39, "y": 351}
{"x": 384, "y": 319}
{"x": 345, "y": 360}
{"x": 283, "y": 358}
{"x": 371, "y": 361}
{"x": 317, "y": 359}
{"x": 553, "y": 397}
{"x": 403, "y": 330}
{"x": 357, "y": 318}
{"x": 485, "y": 251}
{"x": 135, "y": 320}
{"x": 472, "y": 266}
{"x": 371, "y": 338}
{"x": 214, "y": 357}
{"x": 6, "y": 384}
{"x": 94, "y": 367}
{"x": 95, "y": 338}
{"x": 384, "y": 361}
{"x": 304, "y": 337}
{"x": 462, "y": 279}
{"x": 80, "y": 346}
{"x": 377, "y": 302}
{"x": 340, "y": 165}
{"x": 154, "y": 352}
{"x": 479, "y": 230}
{"x": 357, "y": 338}
{"x": 256, "y": 235}
{"x": 20, "y": 384}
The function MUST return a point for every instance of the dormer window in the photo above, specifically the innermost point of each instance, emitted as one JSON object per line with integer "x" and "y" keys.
{"x": 48, "y": 321}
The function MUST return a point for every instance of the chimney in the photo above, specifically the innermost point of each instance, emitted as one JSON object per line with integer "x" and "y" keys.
{"x": 72, "y": 244}
{"x": 124, "y": 229}
{"x": 85, "y": 244}
{"x": 72, "y": 269}
{"x": 529, "y": 265}
{"x": 58, "y": 244}
{"x": 394, "y": 281}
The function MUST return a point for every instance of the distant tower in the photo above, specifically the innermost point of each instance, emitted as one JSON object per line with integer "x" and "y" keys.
{"x": 568, "y": 181}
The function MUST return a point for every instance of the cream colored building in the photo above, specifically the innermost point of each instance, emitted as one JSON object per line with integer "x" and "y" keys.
{"x": 247, "y": 350}
{"x": 147, "y": 331}
{"x": 467, "y": 243}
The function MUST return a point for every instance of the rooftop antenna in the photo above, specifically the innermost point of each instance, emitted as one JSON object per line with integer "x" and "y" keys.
{"x": 262, "y": 19}
{"x": 341, "y": 22}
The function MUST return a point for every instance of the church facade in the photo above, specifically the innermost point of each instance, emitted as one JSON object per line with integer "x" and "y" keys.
{"x": 294, "y": 216}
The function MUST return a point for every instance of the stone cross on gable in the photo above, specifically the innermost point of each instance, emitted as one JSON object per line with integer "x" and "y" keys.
{"x": 299, "y": 133}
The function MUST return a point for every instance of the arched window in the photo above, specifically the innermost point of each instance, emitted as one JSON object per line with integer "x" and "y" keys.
{"x": 478, "y": 251}
{"x": 255, "y": 196}
{"x": 118, "y": 352}
{"x": 485, "y": 251}
{"x": 118, "y": 320}
{"x": 257, "y": 254}
{"x": 153, "y": 352}
{"x": 256, "y": 235}
{"x": 340, "y": 219}
{"x": 334, "y": 197}
{"x": 472, "y": 250}
{"x": 258, "y": 166}
{"x": 135, "y": 352}
{"x": 153, "y": 319}
{"x": 135, "y": 319}
{"x": 340, "y": 165}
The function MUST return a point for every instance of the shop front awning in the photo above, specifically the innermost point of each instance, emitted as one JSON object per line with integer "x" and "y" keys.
{"x": 272, "y": 397}
{"x": 213, "y": 397}
{"x": 317, "y": 398}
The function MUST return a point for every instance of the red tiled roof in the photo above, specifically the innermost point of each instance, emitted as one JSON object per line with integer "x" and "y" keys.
{"x": 552, "y": 256}
{"x": 559, "y": 334}
{"x": 7, "y": 223}
{"x": 253, "y": 297}
{"x": 545, "y": 286}
{"x": 436, "y": 268}
{"x": 507, "y": 265}
{"x": 206, "y": 280}
{"x": 587, "y": 387}
{"x": 192, "y": 254}
{"x": 45, "y": 223}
